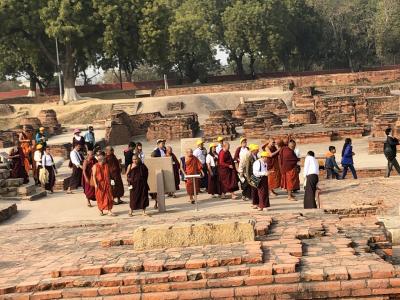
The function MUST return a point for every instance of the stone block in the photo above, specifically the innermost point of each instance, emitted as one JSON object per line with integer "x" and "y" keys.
{"x": 14, "y": 182}
{"x": 189, "y": 234}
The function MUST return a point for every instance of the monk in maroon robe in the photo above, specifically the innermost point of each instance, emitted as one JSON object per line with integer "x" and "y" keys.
{"x": 193, "y": 166}
{"x": 226, "y": 172}
{"x": 289, "y": 170}
{"x": 87, "y": 182}
{"x": 17, "y": 163}
{"x": 137, "y": 175}
{"x": 114, "y": 168}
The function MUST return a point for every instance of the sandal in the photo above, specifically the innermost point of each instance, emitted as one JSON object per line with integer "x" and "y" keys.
{"x": 111, "y": 214}
{"x": 130, "y": 213}
{"x": 101, "y": 213}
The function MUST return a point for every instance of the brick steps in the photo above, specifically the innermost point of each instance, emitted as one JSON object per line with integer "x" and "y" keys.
{"x": 274, "y": 286}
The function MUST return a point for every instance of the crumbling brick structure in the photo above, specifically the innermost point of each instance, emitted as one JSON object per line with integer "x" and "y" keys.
{"x": 220, "y": 123}
{"x": 174, "y": 126}
{"x": 341, "y": 110}
{"x": 48, "y": 119}
{"x": 301, "y": 116}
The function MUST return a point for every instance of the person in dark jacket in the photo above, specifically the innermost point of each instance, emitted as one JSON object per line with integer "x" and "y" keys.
{"x": 390, "y": 151}
{"x": 331, "y": 167}
{"x": 128, "y": 154}
{"x": 347, "y": 159}
{"x": 160, "y": 150}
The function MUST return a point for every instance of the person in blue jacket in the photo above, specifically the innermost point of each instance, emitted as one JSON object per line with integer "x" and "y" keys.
{"x": 347, "y": 159}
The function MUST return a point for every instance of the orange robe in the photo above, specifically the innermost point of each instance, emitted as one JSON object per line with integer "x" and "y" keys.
{"x": 27, "y": 149}
{"x": 274, "y": 178}
{"x": 192, "y": 167}
{"x": 104, "y": 195}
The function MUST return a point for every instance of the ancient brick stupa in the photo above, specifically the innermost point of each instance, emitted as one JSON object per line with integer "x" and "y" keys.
{"x": 220, "y": 123}
{"x": 174, "y": 126}
{"x": 257, "y": 126}
{"x": 48, "y": 118}
{"x": 302, "y": 116}
{"x": 33, "y": 123}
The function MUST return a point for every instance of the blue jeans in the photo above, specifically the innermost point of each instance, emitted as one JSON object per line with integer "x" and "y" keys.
{"x": 352, "y": 169}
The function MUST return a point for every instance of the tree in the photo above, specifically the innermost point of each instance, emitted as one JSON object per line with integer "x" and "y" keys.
{"x": 244, "y": 33}
{"x": 191, "y": 37}
{"x": 20, "y": 54}
{"x": 387, "y": 30}
{"x": 120, "y": 40}
{"x": 76, "y": 26}
{"x": 156, "y": 17}
{"x": 347, "y": 26}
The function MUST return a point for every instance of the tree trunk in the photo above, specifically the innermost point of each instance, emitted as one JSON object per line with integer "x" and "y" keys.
{"x": 252, "y": 71}
{"x": 239, "y": 65}
{"x": 69, "y": 75}
{"x": 32, "y": 86}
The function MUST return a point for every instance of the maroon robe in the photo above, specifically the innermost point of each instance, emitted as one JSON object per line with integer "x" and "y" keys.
{"x": 227, "y": 177}
{"x": 274, "y": 178}
{"x": 18, "y": 168}
{"x": 114, "y": 168}
{"x": 139, "y": 194}
{"x": 288, "y": 165}
{"x": 88, "y": 189}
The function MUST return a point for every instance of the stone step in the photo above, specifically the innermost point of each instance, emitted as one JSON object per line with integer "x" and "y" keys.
{"x": 26, "y": 189}
{"x": 14, "y": 182}
{"x": 7, "y": 210}
{"x": 4, "y": 174}
{"x": 37, "y": 194}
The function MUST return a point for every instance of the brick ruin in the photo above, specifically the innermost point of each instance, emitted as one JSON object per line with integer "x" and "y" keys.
{"x": 220, "y": 123}
{"x": 47, "y": 118}
{"x": 173, "y": 126}
{"x": 121, "y": 127}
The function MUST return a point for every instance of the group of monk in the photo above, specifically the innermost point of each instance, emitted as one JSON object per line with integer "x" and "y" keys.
{"x": 31, "y": 155}
{"x": 100, "y": 174}
{"x": 258, "y": 170}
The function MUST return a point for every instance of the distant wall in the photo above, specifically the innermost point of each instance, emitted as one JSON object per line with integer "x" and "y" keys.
{"x": 264, "y": 80}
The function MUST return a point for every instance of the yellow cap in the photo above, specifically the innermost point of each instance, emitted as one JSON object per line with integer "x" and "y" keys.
{"x": 39, "y": 146}
{"x": 253, "y": 147}
{"x": 220, "y": 139}
{"x": 41, "y": 128}
{"x": 213, "y": 145}
{"x": 199, "y": 142}
{"x": 242, "y": 139}
{"x": 264, "y": 154}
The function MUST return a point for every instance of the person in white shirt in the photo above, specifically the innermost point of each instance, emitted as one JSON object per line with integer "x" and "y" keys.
{"x": 220, "y": 141}
{"x": 49, "y": 166}
{"x": 76, "y": 162}
{"x": 311, "y": 172}
{"x": 213, "y": 187}
{"x": 260, "y": 171}
{"x": 200, "y": 152}
{"x": 139, "y": 151}
{"x": 37, "y": 159}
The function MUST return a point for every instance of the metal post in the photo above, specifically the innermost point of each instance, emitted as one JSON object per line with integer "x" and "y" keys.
{"x": 59, "y": 74}
{"x": 195, "y": 194}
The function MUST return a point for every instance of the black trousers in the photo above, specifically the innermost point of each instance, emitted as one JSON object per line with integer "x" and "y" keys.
{"x": 392, "y": 163}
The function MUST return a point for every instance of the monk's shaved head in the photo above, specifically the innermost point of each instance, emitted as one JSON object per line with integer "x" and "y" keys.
{"x": 226, "y": 146}
{"x": 189, "y": 152}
